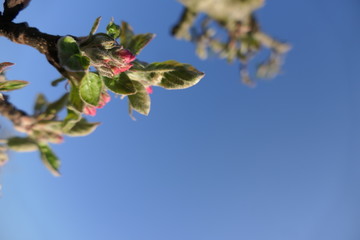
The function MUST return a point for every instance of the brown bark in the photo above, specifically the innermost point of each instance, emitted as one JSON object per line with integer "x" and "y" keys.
{"x": 19, "y": 118}
{"x": 12, "y": 9}
{"x": 21, "y": 33}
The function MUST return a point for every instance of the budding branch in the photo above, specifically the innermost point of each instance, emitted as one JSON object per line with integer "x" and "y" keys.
{"x": 21, "y": 33}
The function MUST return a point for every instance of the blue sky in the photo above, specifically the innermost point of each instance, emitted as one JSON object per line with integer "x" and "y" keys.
{"x": 216, "y": 161}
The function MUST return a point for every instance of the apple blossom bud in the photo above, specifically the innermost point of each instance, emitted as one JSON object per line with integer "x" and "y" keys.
{"x": 119, "y": 69}
{"x": 149, "y": 89}
{"x": 104, "y": 99}
{"x": 89, "y": 110}
{"x": 126, "y": 55}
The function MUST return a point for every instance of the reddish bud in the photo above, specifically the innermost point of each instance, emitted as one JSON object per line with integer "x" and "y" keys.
{"x": 104, "y": 99}
{"x": 119, "y": 69}
{"x": 90, "y": 110}
{"x": 149, "y": 89}
{"x": 126, "y": 55}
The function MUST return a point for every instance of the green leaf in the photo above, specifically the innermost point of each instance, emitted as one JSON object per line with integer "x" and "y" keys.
{"x": 48, "y": 131}
{"x": 74, "y": 99}
{"x": 98, "y": 40}
{"x": 113, "y": 30}
{"x": 139, "y": 41}
{"x": 175, "y": 75}
{"x": 120, "y": 84}
{"x": 82, "y": 128}
{"x": 77, "y": 63}
{"x": 140, "y": 101}
{"x": 49, "y": 126}
{"x": 40, "y": 104}
{"x": 90, "y": 88}
{"x": 49, "y": 159}
{"x": 47, "y": 135}
{"x": 95, "y": 26}
{"x": 67, "y": 46}
{"x": 126, "y": 34}
{"x": 139, "y": 72}
{"x": 12, "y": 85}
{"x": 22, "y": 144}
{"x": 70, "y": 120}
{"x": 147, "y": 78}
{"x": 57, "y": 81}
{"x": 56, "y": 106}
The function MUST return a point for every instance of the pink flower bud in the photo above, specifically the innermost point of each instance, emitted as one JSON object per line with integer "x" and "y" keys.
{"x": 104, "y": 99}
{"x": 119, "y": 69}
{"x": 149, "y": 89}
{"x": 126, "y": 55}
{"x": 116, "y": 70}
{"x": 90, "y": 110}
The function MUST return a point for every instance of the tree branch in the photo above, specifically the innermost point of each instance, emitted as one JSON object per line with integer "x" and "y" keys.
{"x": 181, "y": 29}
{"x": 22, "y": 121}
{"x": 12, "y": 9}
{"x": 21, "y": 33}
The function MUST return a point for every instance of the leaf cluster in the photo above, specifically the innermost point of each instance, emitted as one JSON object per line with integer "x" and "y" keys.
{"x": 87, "y": 86}
{"x": 95, "y": 65}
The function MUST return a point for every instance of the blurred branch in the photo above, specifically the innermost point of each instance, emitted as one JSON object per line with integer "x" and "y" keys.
{"x": 272, "y": 43}
{"x": 243, "y": 37}
{"x": 181, "y": 30}
{"x": 21, "y": 120}
{"x": 12, "y": 9}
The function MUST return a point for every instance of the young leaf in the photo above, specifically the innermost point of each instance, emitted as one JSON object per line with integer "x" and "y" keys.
{"x": 90, "y": 88}
{"x": 12, "y": 85}
{"x": 47, "y": 136}
{"x": 140, "y": 101}
{"x": 95, "y": 26}
{"x": 50, "y": 126}
{"x": 49, "y": 159}
{"x": 57, "y": 81}
{"x": 139, "y": 72}
{"x": 67, "y": 46}
{"x": 75, "y": 101}
{"x": 97, "y": 40}
{"x": 126, "y": 34}
{"x": 120, "y": 84}
{"x": 20, "y": 144}
{"x": 56, "y": 106}
{"x": 148, "y": 78}
{"x": 139, "y": 41}
{"x": 82, "y": 128}
{"x": 175, "y": 75}
{"x": 5, "y": 65}
{"x": 70, "y": 120}
{"x": 77, "y": 63}
{"x": 40, "y": 104}
{"x": 113, "y": 30}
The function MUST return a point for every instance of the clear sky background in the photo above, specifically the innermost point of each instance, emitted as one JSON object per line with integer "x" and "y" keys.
{"x": 219, "y": 161}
